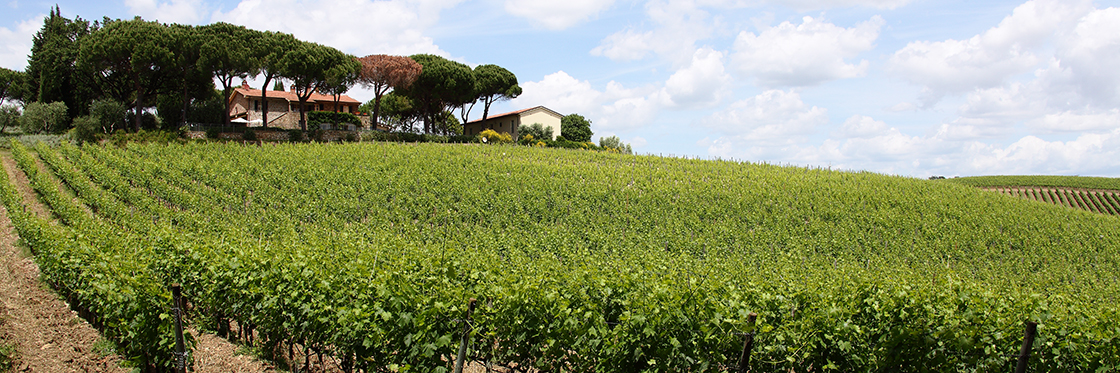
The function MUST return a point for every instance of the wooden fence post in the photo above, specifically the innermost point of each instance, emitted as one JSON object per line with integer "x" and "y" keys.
{"x": 748, "y": 344}
{"x": 459, "y": 360}
{"x": 180, "y": 347}
{"x": 1025, "y": 351}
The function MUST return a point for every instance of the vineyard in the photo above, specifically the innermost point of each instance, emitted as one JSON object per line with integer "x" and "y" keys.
{"x": 1099, "y": 201}
{"x": 1075, "y": 182}
{"x": 368, "y": 254}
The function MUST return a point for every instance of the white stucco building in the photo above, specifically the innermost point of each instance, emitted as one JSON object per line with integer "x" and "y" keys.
{"x": 509, "y": 122}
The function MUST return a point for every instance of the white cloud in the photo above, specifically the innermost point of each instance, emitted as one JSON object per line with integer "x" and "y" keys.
{"x": 679, "y": 25}
{"x": 859, "y": 126}
{"x": 15, "y": 45}
{"x": 561, "y": 92}
{"x": 806, "y": 54}
{"x": 557, "y": 14}
{"x": 702, "y": 83}
{"x": 354, "y": 26}
{"x": 615, "y": 108}
{"x": 1075, "y": 122}
{"x": 989, "y": 59}
{"x": 804, "y": 5}
{"x": 773, "y": 116}
{"x": 894, "y": 152}
{"x": 174, "y": 11}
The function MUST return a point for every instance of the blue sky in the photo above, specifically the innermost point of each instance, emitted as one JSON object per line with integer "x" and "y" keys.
{"x": 906, "y": 87}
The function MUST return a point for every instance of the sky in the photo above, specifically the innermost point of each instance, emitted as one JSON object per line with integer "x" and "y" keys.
{"x": 904, "y": 87}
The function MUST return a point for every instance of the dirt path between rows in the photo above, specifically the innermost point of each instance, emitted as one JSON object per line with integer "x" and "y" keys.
{"x": 48, "y": 336}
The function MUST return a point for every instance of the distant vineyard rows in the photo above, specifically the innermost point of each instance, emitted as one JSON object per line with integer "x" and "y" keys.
{"x": 1099, "y": 201}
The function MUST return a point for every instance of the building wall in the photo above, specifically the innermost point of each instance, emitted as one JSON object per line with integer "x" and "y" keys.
{"x": 504, "y": 124}
{"x": 548, "y": 119}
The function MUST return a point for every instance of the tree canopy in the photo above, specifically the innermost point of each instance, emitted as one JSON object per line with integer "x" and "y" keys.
{"x": 383, "y": 72}
{"x": 52, "y": 71}
{"x": 442, "y": 84}
{"x": 226, "y": 55}
{"x": 268, "y": 51}
{"x": 311, "y": 67}
{"x": 12, "y": 84}
{"x": 494, "y": 83}
{"x": 138, "y": 50}
{"x": 574, "y": 127}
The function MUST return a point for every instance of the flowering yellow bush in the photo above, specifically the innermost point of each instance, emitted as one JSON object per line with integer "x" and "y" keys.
{"x": 491, "y": 137}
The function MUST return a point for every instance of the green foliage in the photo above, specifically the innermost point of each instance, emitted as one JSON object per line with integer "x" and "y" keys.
{"x": 110, "y": 115}
{"x": 148, "y": 121}
{"x": 315, "y": 118}
{"x": 13, "y": 84}
{"x": 53, "y": 72}
{"x": 136, "y": 54}
{"x": 226, "y": 54}
{"x": 494, "y": 83}
{"x": 1109, "y": 183}
{"x": 213, "y": 133}
{"x": 295, "y": 135}
{"x": 86, "y": 129}
{"x": 249, "y": 135}
{"x": 614, "y": 144}
{"x": 9, "y": 117}
{"x": 634, "y": 264}
{"x": 442, "y": 84}
{"x": 535, "y": 131}
{"x": 42, "y": 117}
{"x": 122, "y": 138}
{"x": 8, "y": 357}
{"x": 310, "y": 66}
{"x": 575, "y": 127}
{"x": 397, "y": 112}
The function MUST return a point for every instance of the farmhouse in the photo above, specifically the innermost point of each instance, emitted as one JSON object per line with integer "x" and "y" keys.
{"x": 509, "y": 122}
{"x": 283, "y": 106}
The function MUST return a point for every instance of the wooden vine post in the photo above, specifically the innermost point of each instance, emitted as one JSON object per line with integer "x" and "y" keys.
{"x": 748, "y": 344}
{"x": 1025, "y": 351}
{"x": 466, "y": 338}
{"x": 180, "y": 347}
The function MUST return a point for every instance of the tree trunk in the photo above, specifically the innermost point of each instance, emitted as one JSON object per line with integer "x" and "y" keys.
{"x": 302, "y": 117}
{"x": 139, "y": 117}
{"x": 264, "y": 102}
{"x": 376, "y": 110}
{"x": 186, "y": 103}
{"x": 227, "y": 82}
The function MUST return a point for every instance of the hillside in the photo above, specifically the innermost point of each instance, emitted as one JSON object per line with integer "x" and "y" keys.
{"x": 581, "y": 261}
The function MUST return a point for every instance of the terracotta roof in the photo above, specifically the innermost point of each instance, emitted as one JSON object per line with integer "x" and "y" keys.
{"x": 512, "y": 113}
{"x": 291, "y": 96}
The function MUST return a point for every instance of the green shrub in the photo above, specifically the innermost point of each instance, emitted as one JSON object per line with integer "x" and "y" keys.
{"x": 351, "y": 138}
{"x": 110, "y": 115}
{"x": 295, "y": 135}
{"x": 9, "y": 117}
{"x": 615, "y": 145}
{"x": 315, "y": 118}
{"x": 249, "y": 135}
{"x": 536, "y": 131}
{"x": 7, "y": 357}
{"x": 213, "y": 133}
{"x": 39, "y": 117}
{"x": 148, "y": 121}
{"x": 86, "y": 129}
